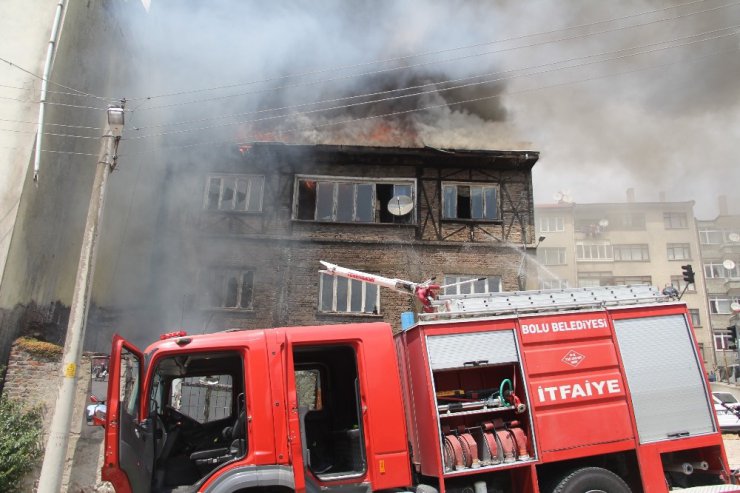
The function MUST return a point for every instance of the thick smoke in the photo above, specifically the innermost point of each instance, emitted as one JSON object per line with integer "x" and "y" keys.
{"x": 220, "y": 72}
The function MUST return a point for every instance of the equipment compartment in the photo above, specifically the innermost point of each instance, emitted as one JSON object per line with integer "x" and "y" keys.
{"x": 481, "y": 404}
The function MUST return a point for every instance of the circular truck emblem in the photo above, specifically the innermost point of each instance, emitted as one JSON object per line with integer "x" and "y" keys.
{"x": 573, "y": 358}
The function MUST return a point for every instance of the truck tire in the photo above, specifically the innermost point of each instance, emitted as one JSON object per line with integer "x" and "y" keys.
{"x": 592, "y": 480}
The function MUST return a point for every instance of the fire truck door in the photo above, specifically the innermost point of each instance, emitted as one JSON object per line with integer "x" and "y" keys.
{"x": 129, "y": 440}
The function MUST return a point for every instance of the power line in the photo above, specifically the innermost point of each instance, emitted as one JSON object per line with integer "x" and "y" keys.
{"x": 443, "y": 105}
{"x": 69, "y": 152}
{"x": 47, "y": 123}
{"x": 435, "y": 62}
{"x": 417, "y": 55}
{"x": 408, "y": 88}
{"x": 47, "y": 133}
{"x": 489, "y": 81}
{"x": 82, "y": 93}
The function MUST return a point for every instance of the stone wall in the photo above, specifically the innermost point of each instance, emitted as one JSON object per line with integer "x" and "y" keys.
{"x": 33, "y": 378}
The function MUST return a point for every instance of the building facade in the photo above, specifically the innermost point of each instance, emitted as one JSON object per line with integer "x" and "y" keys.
{"x": 259, "y": 222}
{"x": 627, "y": 243}
{"x": 719, "y": 240}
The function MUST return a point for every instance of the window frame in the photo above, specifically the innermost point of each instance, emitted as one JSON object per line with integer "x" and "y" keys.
{"x": 608, "y": 251}
{"x": 671, "y": 249}
{"x": 671, "y": 218}
{"x": 548, "y": 219}
{"x": 228, "y": 272}
{"x": 705, "y": 234}
{"x": 237, "y": 178}
{"x": 546, "y": 284}
{"x": 712, "y": 267}
{"x": 471, "y": 184}
{"x": 463, "y": 289}
{"x": 619, "y": 249}
{"x": 695, "y": 317}
{"x": 544, "y": 254}
{"x": 376, "y": 210}
{"x": 718, "y": 301}
{"x": 335, "y": 303}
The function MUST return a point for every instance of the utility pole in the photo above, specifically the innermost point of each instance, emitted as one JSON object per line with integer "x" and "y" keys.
{"x": 52, "y": 469}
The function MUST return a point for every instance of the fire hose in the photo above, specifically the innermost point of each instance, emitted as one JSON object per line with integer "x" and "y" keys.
{"x": 493, "y": 443}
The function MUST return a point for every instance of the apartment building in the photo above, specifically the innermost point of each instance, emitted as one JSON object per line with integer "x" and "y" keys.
{"x": 626, "y": 243}
{"x": 719, "y": 240}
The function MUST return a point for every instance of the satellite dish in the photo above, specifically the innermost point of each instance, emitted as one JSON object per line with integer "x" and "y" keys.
{"x": 563, "y": 197}
{"x": 728, "y": 264}
{"x": 604, "y": 223}
{"x": 735, "y": 307}
{"x": 400, "y": 205}
{"x": 734, "y": 237}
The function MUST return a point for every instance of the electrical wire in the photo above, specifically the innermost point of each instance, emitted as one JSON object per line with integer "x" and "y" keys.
{"x": 48, "y": 133}
{"x": 435, "y": 85}
{"x": 81, "y": 93}
{"x": 47, "y": 123}
{"x": 489, "y": 81}
{"x": 417, "y": 55}
{"x": 444, "y": 105}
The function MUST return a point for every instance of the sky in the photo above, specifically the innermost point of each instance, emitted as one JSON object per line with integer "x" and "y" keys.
{"x": 639, "y": 94}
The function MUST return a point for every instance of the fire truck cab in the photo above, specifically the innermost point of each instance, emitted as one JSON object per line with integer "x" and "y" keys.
{"x": 552, "y": 391}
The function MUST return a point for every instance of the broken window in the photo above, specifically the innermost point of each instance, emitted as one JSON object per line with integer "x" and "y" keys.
{"x": 342, "y": 295}
{"x": 229, "y": 288}
{"x": 235, "y": 193}
{"x": 470, "y": 201}
{"x": 350, "y": 200}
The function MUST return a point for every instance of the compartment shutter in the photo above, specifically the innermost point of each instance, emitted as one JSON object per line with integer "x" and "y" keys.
{"x": 665, "y": 378}
{"x": 455, "y": 350}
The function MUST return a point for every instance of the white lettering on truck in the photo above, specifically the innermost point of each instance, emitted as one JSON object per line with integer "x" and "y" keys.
{"x": 578, "y": 390}
{"x": 546, "y": 327}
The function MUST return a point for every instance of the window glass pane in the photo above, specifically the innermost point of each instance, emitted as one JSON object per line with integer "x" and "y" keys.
{"x": 371, "y": 298}
{"x": 256, "y": 186}
{"x": 345, "y": 202}
{"x": 215, "y": 288}
{"x": 227, "y": 197}
{"x": 402, "y": 190}
{"x": 449, "y": 197}
{"x": 364, "y": 207}
{"x": 214, "y": 191}
{"x": 247, "y": 283}
{"x": 129, "y": 382}
{"x": 342, "y": 288}
{"x": 241, "y": 194}
{"x": 476, "y": 202}
{"x": 204, "y": 399}
{"x": 491, "y": 203}
{"x": 463, "y": 202}
{"x": 306, "y": 199}
{"x": 327, "y": 293}
{"x": 356, "y": 296}
{"x": 324, "y": 201}
{"x": 232, "y": 285}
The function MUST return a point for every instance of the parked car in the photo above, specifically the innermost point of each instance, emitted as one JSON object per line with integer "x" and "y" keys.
{"x": 728, "y": 399}
{"x": 728, "y": 420}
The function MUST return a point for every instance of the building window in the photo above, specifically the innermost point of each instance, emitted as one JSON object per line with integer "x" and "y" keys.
{"x": 675, "y": 220}
{"x": 710, "y": 236}
{"x": 491, "y": 284}
{"x": 678, "y": 283}
{"x": 552, "y": 224}
{"x": 353, "y": 200}
{"x": 551, "y": 256}
{"x": 719, "y": 305}
{"x": 714, "y": 269}
{"x": 632, "y": 280}
{"x": 594, "y": 252}
{"x": 342, "y": 295}
{"x": 723, "y": 341}
{"x": 234, "y": 193}
{"x": 554, "y": 284}
{"x": 678, "y": 251}
{"x": 594, "y": 279}
{"x": 631, "y": 253}
{"x": 229, "y": 288}
{"x": 629, "y": 221}
{"x": 469, "y": 201}
{"x": 695, "y": 318}
{"x": 591, "y": 227}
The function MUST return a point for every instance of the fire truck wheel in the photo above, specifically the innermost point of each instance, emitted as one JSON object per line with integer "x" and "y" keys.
{"x": 592, "y": 480}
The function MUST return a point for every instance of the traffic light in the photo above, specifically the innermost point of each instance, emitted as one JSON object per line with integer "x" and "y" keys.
{"x": 688, "y": 274}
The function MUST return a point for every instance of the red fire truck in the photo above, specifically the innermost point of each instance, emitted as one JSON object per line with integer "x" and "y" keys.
{"x": 566, "y": 391}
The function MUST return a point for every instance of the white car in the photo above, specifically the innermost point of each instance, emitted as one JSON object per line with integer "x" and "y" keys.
{"x": 727, "y": 398}
{"x": 728, "y": 421}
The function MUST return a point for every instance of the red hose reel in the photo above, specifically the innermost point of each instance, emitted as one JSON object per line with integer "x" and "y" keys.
{"x": 491, "y": 443}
